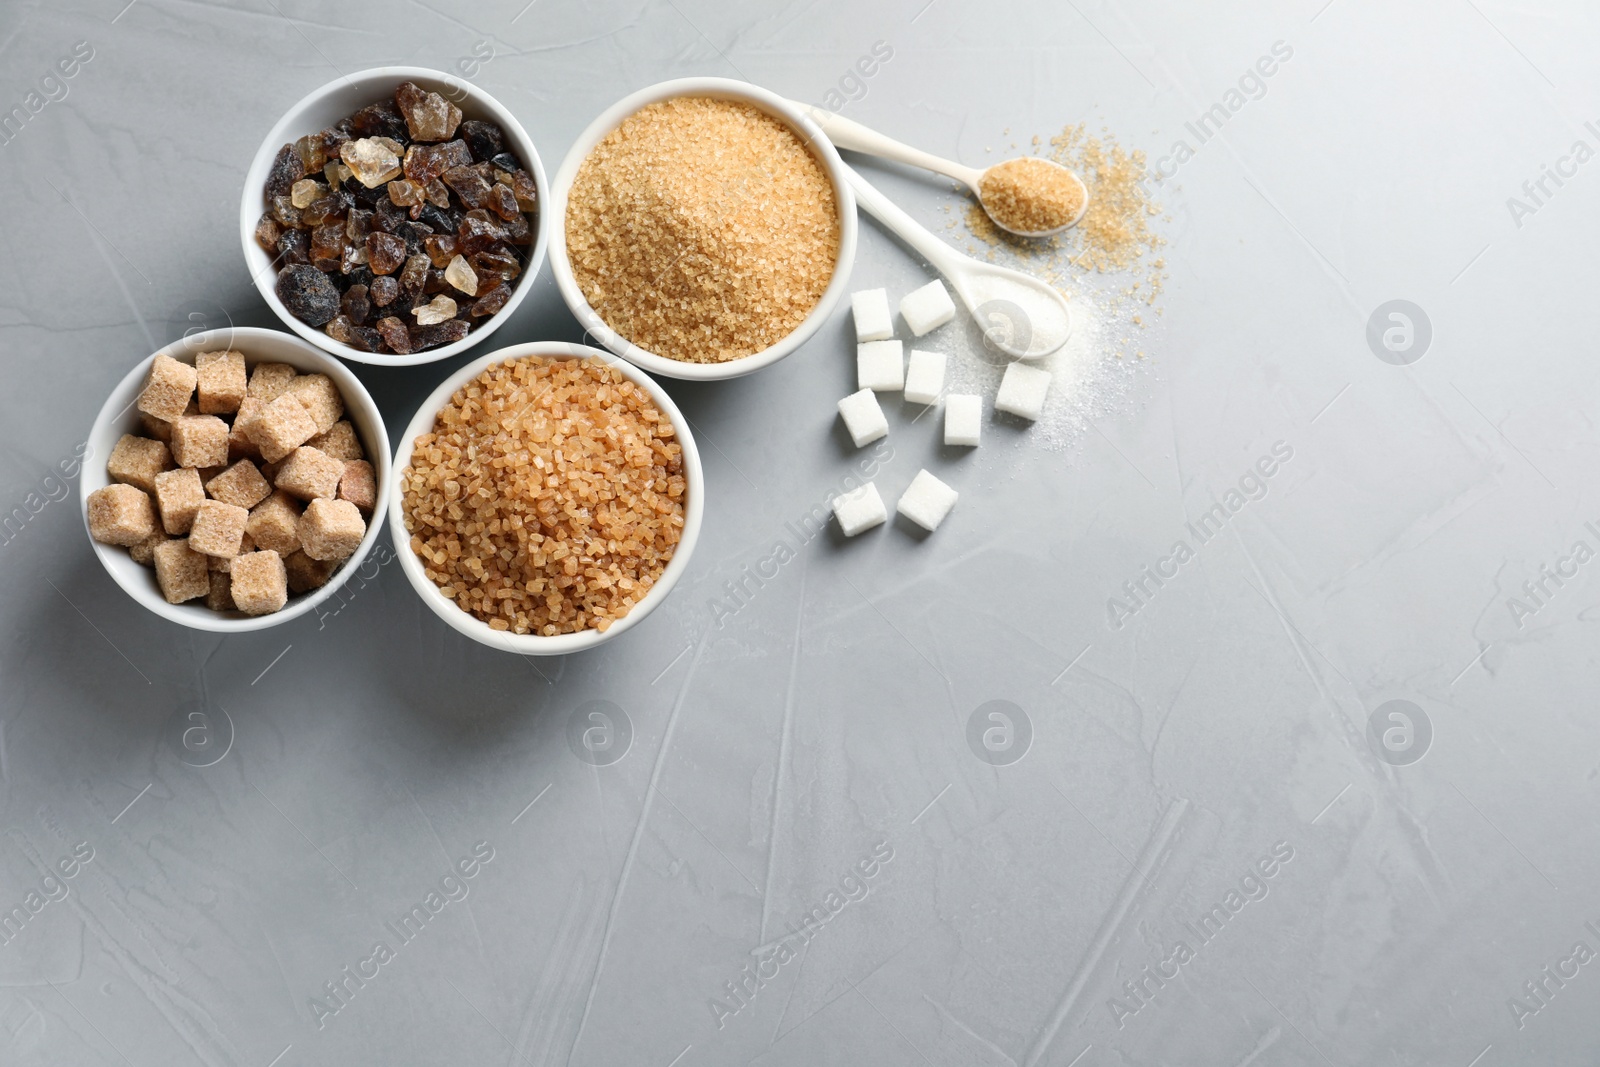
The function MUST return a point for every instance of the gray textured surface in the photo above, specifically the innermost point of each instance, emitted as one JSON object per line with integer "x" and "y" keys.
{"x": 374, "y": 748}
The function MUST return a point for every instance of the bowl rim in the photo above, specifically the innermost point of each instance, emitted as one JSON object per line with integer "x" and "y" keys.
{"x": 533, "y": 644}
{"x": 119, "y": 408}
{"x": 728, "y": 89}
{"x": 250, "y": 210}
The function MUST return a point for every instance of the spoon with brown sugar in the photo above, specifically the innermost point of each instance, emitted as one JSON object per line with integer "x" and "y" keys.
{"x": 1027, "y": 196}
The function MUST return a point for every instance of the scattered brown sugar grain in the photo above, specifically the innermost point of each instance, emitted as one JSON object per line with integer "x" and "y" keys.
{"x": 549, "y": 497}
{"x": 702, "y": 230}
{"x": 1030, "y": 195}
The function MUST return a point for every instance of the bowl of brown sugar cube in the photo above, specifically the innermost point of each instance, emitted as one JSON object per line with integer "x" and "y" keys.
{"x": 235, "y": 479}
{"x": 395, "y": 216}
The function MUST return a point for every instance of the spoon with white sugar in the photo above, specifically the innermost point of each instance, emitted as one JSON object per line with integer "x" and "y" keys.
{"x": 1020, "y": 315}
{"x": 1027, "y": 196}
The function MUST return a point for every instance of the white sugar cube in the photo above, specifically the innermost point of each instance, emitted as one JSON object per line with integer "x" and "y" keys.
{"x": 1022, "y": 391}
{"x": 859, "y": 509}
{"x": 963, "y": 419}
{"x": 926, "y": 501}
{"x": 863, "y": 417}
{"x": 927, "y": 308}
{"x": 880, "y": 365}
{"x": 871, "y": 310}
{"x": 924, "y": 376}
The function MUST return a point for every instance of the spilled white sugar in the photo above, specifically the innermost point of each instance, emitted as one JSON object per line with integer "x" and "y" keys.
{"x": 1088, "y": 381}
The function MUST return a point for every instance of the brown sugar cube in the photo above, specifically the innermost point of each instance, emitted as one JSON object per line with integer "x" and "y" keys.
{"x": 269, "y": 380}
{"x": 331, "y": 529}
{"x": 144, "y": 553}
{"x": 239, "y": 444}
{"x": 306, "y": 574}
{"x": 220, "y": 381}
{"x": 309, "y": 473}
{"x": 220, "y": 596}
{"x": 240, "y": 484}
{"x": 137, "y": 461}
{"x": 179, "y": 495}
{"x": 157, "y": 429}
{"x": 224, "y": 563}
{"x": 121, "y": 515}
{"x": 340, "y": 442}
{"x": 161, "y": 429}
{"x": 260, "y": 586}
{"x": 320, "y": 397}
{"x": 218, "y": 528}
{"x": 281, "y": 427}
{"x": 358, "y": 484}
{"x": 200, "y": 441}
{"x": 168, "y": 389}
{"x": 275, "y": 524}
{"x": 181, "y": 572}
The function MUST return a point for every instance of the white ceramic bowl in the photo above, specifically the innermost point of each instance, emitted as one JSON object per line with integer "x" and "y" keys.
{"x": 339, "y": 99}
{"x": 723, "y": 89}
{"x": 530, "y": 644}
{"x": 119, "y": 416}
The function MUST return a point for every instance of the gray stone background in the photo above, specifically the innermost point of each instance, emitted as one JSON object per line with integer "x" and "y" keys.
{"x": 352, "y": 760}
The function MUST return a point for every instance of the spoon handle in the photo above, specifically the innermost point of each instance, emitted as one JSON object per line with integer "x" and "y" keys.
{"x": 852, "y": 136}
{"x": 945, "y": 260}
{"x": 988, "y": 291}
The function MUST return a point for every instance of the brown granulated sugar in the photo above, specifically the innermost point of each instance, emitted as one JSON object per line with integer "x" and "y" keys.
{"x": 1115, "y": 233}
{"x": 1112, "y": 256}
{"x": 549, "y": 497}
{"x": 702, "y": 230}
{"x": 1028, "y": 195}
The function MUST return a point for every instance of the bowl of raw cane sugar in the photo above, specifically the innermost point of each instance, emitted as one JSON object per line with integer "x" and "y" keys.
{"x": 233, "y": 479}
{"x": 703, "y": 228}
{"x": 546, "y": 498}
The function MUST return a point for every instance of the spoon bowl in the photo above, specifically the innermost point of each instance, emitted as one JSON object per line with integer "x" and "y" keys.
{"x": 1020, "y": 315}
{"x": 995, "y": 215}
{"x": 852, "y": 136}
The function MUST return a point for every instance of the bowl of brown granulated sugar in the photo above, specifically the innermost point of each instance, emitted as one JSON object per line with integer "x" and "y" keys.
{"x": 546, "y": 498}
{"x": 705, "y": 228}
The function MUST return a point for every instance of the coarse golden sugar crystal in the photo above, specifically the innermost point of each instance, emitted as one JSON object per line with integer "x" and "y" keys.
{"x": 548, "y": 497}
{"x": 702, "y": 230}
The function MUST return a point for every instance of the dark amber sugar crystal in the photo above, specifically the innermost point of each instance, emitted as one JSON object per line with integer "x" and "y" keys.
{"x": 385, "y": 252}
{"x": 379, "y": 120}
{"x": 286, "y": 170}
{"x": 492, "y": 301}
{"x": 484, "y": 139}
{"x": 357, "y": 304}
{"x": 308, "y": 294}
{"x": 295, "y": 246}
{"x": 383, "y": 290}
{"x": 267, "y": 233}
{"x": 394, "y": 333}
{"x": 503, "y": 202}
{"x": 440, "y": 333}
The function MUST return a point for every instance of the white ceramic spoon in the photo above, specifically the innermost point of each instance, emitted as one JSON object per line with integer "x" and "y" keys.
{"x": 854, "y": 137}
{"x": 1020, "y": 315}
